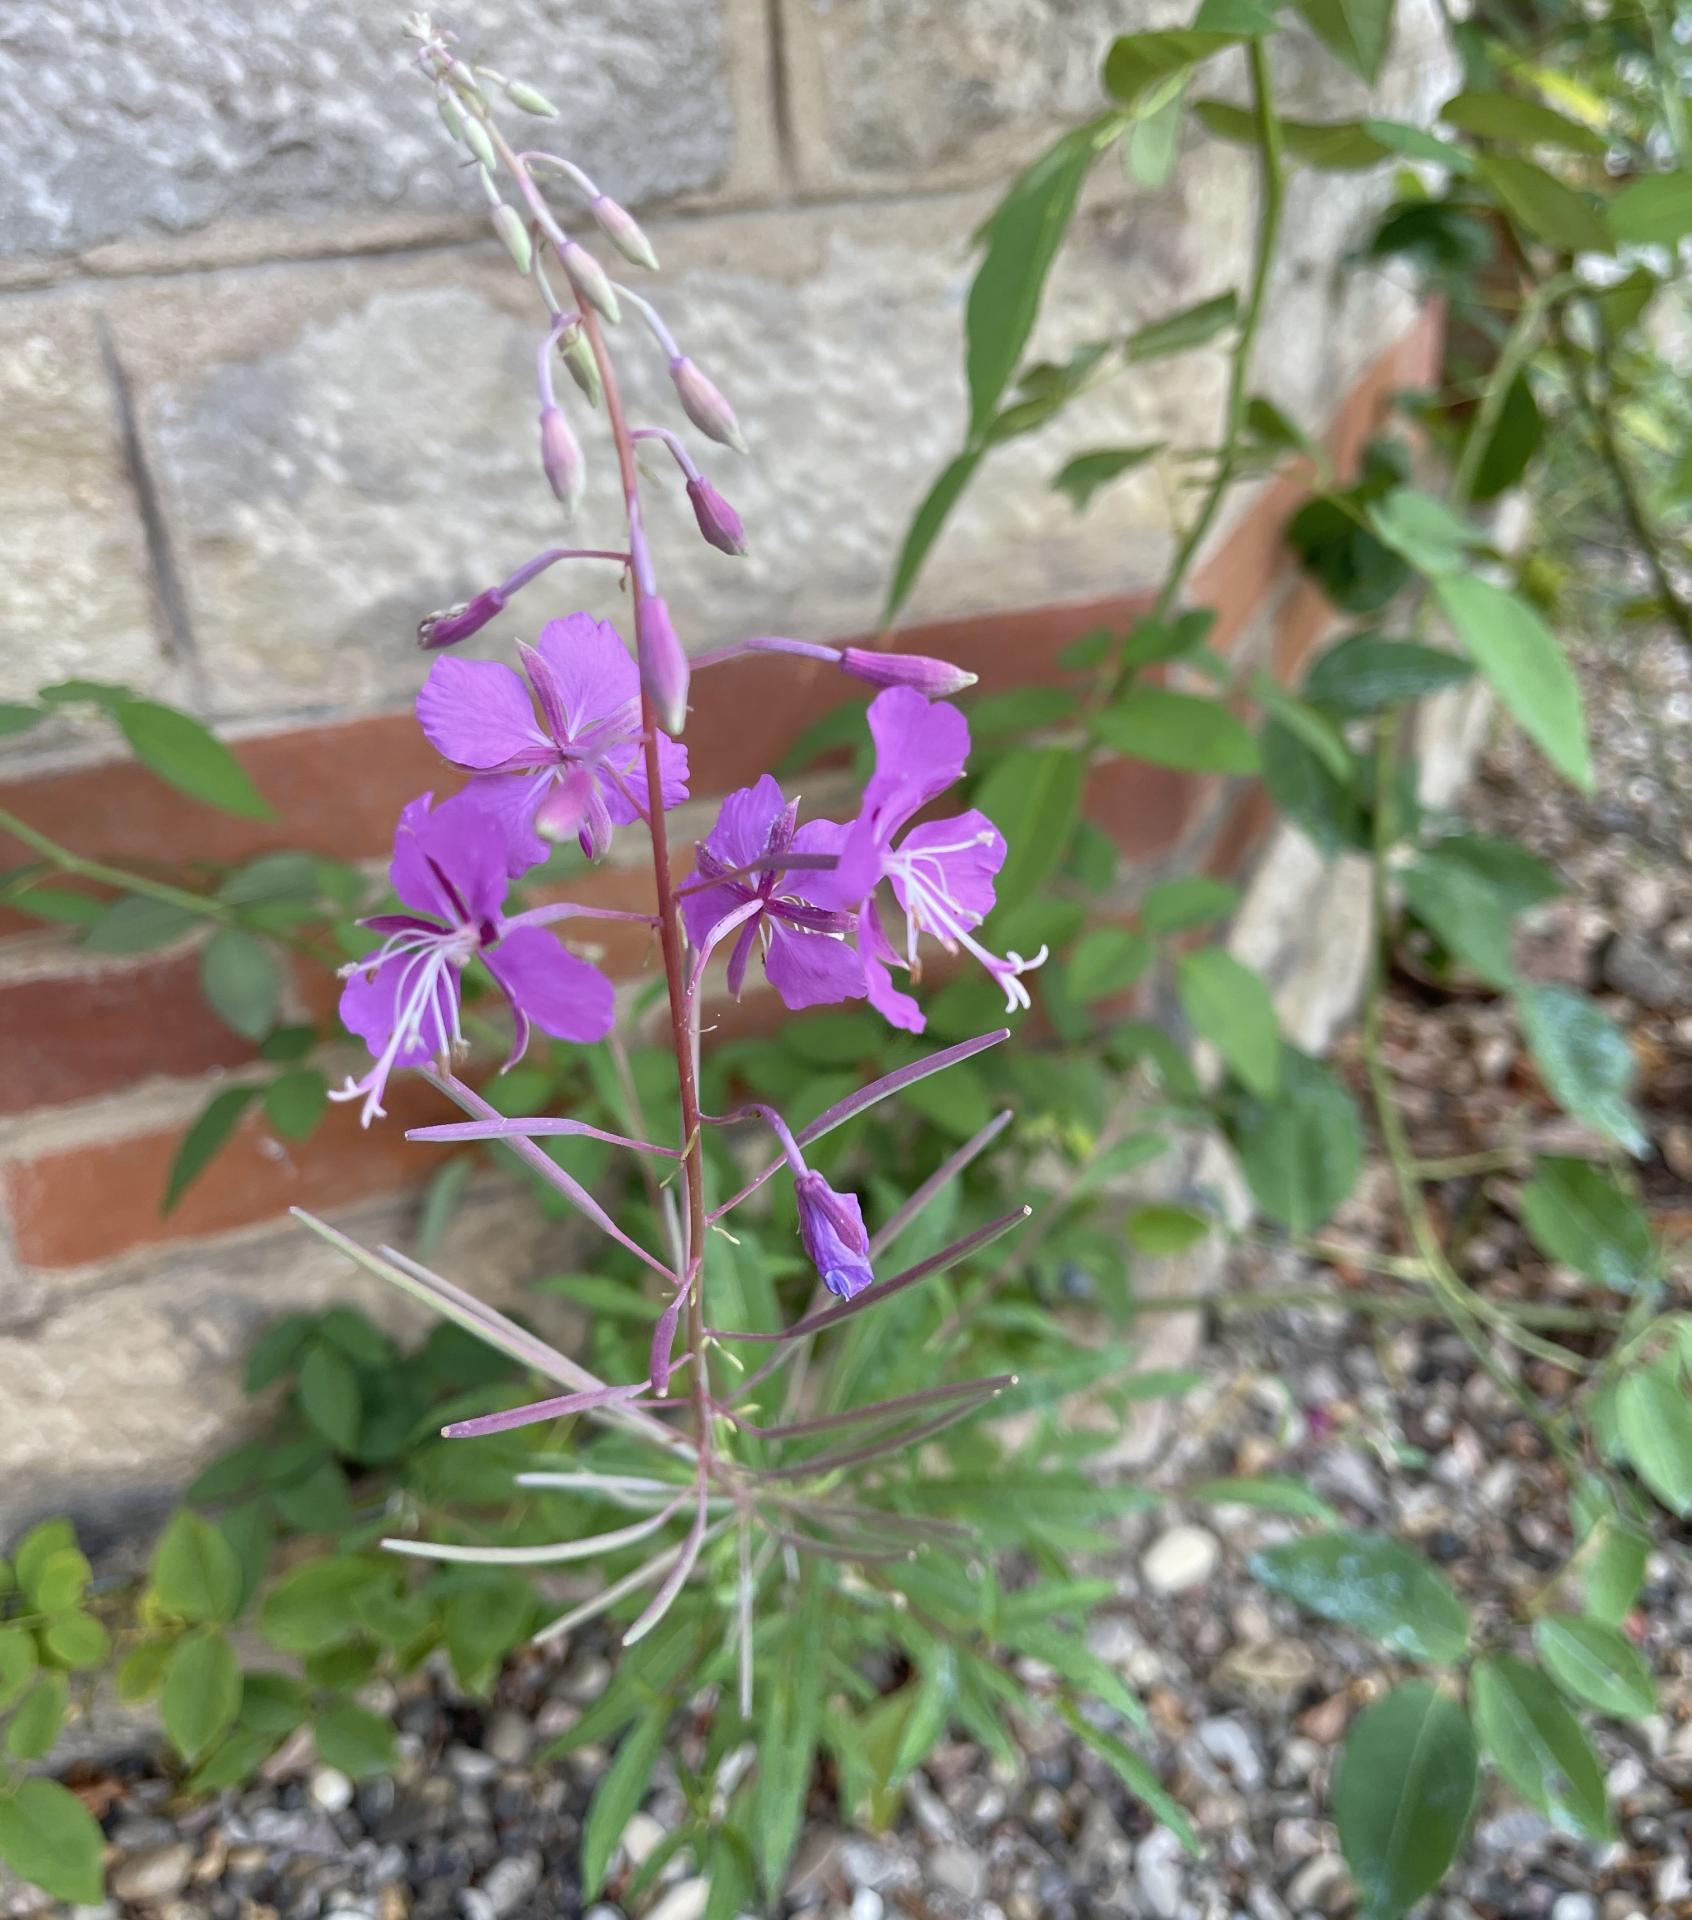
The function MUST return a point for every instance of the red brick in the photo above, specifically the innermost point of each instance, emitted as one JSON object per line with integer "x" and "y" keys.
{"x": 70, "y": 1036}
{"x": 86, "y": 1203}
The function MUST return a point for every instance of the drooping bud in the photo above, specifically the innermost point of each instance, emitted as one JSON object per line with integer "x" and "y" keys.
{"x": 622, "y": 229}
{"x": 589, "y": 279}
{"x": 447, "y": 628}
{"x": 831, "y": 1225}
{"x": 476, "y": 139}
{"x": 704, "y": 405}
{"x": 578, "y": 357}
{"x": 718, "y": 521}
{"x": 938, "y": 679}
{"x": 561, "y": 458}
{"x": 524, "y": 96}
{"x": 663, "y": 665}
{"x": 508, "y": 224}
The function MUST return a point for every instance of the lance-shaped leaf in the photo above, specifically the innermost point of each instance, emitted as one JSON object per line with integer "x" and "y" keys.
{"x": 676, "y": 1578}
{"x": 866, "y": 1097}
{"x": 548, "y": 1169}
{"x": 885, "y": 1289}
{"x": 551, "y": 1553}
{"x": 937, "y": 1182}
{"x": 607, "y": 1597}
{"x": 593, "y": 1400}
{"x": 844, "y": 1457}
{"x": 539, "y": 1127}
{"x": 880, "y": 1409}
{"x": 476, "y": 1317}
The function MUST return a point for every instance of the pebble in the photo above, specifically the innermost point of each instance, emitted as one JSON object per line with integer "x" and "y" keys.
{"x": 509, "y": 1737}
{"x": 1157, "y": 1873}
{"x": 867, "y": 1904}
{"x": 1227, "y": 1741}
{"x": 509, "y": 1882}
{"x": 330, "y": 1789}
{"x": 687, "y": 1900}
{"x": 1574, "y": 1906}
{"x": 471, "y": 1764}
{"x": 1180, "y": 1559}
{"x": 641, "y": 1837}
{"x": 959, "y": 1871}
{"x": 1322, "y": 1883}
{"x": 158, "y": 1874}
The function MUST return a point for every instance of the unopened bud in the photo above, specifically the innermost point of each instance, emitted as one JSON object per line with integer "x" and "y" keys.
{"x": 508, "y": 224}
{"x": 561, "y": 457}
{"x": 589, "y": 279}
{"x": 451, "y": 118}
{"x": 447, "y": 628}
{"x": 704, "y": 405}
{"x": 938, "y": 679}
{"x": 526, "y": 97}
{"x": 476, "y": 139}
{"x": 623, "y": 230}
{"x": 718, "y": 521}
{"x": 584, "y": 369}
{"x": 663, "y": 664}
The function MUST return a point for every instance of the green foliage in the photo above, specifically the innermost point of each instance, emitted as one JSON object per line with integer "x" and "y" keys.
{"x": 1375, "y": 1585}
{"x": 1594, "y": 1663}
{"x": 1578, "y": 1215}
{"x": 49, "y": 1837}
{"x": 1537, "y": 1744}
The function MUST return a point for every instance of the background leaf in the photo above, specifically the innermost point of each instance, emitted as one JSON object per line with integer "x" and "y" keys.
{"x": 1596, "y": 1663}
{"x": 1373, "y": 1584}
{"x": 1182, "y": 730}
{"x": 187, "y": 754}
{"x": 202, "y": 1691}
{"x": 1229, "y": 1006}
{"x": 1300, "y": 1152}
{"x": 1584, "y": 1059}
{"x": 48, "y": 1837}
{"x": 1403, "y": 1794}
{"x": 242, "y": 981}
{"x": 1520, "y": 657}
{"x": 1538, "y": 1744}
{"x": 1577, "y": 1214}
{"x": 1033, "y": 796}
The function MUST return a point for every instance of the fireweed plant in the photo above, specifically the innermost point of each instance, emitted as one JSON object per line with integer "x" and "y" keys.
{"x": 813, "y": 1545}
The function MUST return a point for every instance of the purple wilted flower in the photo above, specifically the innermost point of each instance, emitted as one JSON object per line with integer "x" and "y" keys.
{"x": 808, "y": 962}
{"x": 832, "y": 1227}
{"x": 941, "y": 872}
{"x": 403, "y": 999}
{"x": 579, "y": 766}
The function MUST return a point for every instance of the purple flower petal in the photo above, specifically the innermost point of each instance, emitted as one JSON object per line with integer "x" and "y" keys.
{"x": 562, "y": 994}
{"x": 370, "y": 1006}
{"x": 947, "y": 867}
{"x": 702, "y": 910}
{"x": 831, "y": 1224}
{"x": 747, "y": 819}
{"x": 465, "y": 852}
{"x": 811, "y": 969}
{"x": 899, "y": 1009}
{"x": 512, "y": 800}
{"x": 631, "y": 771}
{"x": 593, "y": 671}
{"x": 477, "y": 714}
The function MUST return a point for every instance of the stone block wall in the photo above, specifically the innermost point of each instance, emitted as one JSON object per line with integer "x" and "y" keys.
{"x": 267, "y": 389}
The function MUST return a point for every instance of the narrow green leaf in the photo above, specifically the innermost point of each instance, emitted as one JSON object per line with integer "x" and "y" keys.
{"x": 1276, "y": 1493}
{"x": 1424, "y": 530}
{"x": 1364, "y": 673}
{"x": 619, "y": 1794}
{"x": 1655, "y": 210}
{"x": 925, "y": 527}
{"x": 49, "y": 1838}
{"x": 1023, "y": 236}
{"x": 242, "y": 981}
{"x": 1189, "y": 901}
{"x": 187, "y": 754}
{"x": 212, "y": 1129}
{"x": 1302, "y": 1151}
{"x": 202, "y": 1692}
{"x": 1508, "y": 116}
{"x": 296, "y": 1102}
{"x": 1543, "y": 207}
{"x": 1584, "y": 1059}
{"x": 1375, "y": 1585}
{"x": 138, "y": 924}
{"x": 17, "y": 718}
{"x": 1107, "y": 961}
{"x": 1194, "y": 326}
{"x": 1520, "y": 656}
{"x": 1538, "y": 1745}
{"x": 1033, "y": 796}
{"x": 1137, "y": 1775}
{"x": 1143, "y": 71}
{"x": 1654, "y": 1420}
{"x": 1403, "y": 1794}
{"x": 1596, "y": 1664}
{"x": 1576, "y": 1213}
{"x": 787, "y": 1737}
{"x": 1464, "y": 915}
{"x": 1355, "y": 31}
{"x": 1228, "y": 1005}
{"x": 329, "y": 1396}
{"x": 1082, "y": 477}
{"x": 1182, "y": 730}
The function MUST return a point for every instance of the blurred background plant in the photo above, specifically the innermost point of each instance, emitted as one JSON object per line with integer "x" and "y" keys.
{"x": 1548, "y": 207}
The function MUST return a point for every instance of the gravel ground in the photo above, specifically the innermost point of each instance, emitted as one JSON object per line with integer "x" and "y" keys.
{"x": 1392, "y": 1423}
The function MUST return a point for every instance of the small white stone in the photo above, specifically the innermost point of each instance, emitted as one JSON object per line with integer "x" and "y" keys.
{"x": 330, "y": 1789}
{"x": 686, "y": 1900}
{"x": 1180, "y": 1559}
{"x": 1574, "y": 1906}
{"x": 640, "y": 1837}
{"x": 959, "y": 1871}
{"x": 1157, "y": 1873}
{"x": 867, "y": 1904}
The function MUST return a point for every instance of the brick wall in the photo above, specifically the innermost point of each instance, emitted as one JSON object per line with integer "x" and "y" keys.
{"x": 266, "y": 389}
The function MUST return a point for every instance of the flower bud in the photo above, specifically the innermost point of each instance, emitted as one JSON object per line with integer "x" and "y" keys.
{"x": 938, "y": 679}
{"x": 589, "y": 279}
{"x": 704, "y": 405}
{"x": 561, "y": 458}
{"x": 508, "y": 224}
{"x": 451, "y": 118}
{"x": 447, "y": 628}
{"x": 524, "y": 96}
{"x": 663, "y": 664}
{"x": 623, "y": 231}
{"x": 832, "y": 1227}
{"x": 476, "y": 139}
{"x": 577, "y": 356}
{"x": 718, "y": 521}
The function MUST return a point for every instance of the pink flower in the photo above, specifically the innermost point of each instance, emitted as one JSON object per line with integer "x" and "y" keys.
{"x": 807, "y": 961}
{"x": 579, "y": 766}
{"x": 941, "y": 873}
{"x": 403, "y": 999}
